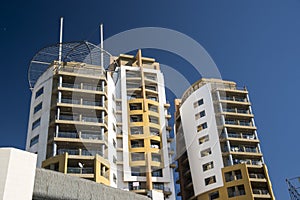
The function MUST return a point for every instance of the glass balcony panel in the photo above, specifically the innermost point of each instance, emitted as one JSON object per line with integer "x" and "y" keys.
{"x": 69, "y": 151}
{"x": 91, "y": 136}
{"x": 67, "y": 134}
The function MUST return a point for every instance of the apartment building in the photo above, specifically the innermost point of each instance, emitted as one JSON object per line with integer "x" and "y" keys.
{"x": 218, "y": 150}
{"x": 108, "y": 124}
{"x": 143, "y": 137}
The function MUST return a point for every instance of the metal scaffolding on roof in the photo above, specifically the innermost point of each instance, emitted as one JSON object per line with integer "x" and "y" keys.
{"x": 82, "y": 51}
{"x": 294, "y": 188}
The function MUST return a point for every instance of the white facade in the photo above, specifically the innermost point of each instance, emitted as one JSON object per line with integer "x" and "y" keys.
{"x": 41, "y": 131}
{"x": 192, "y": 136}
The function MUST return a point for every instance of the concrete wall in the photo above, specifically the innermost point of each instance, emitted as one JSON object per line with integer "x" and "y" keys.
{"x": 17, "y": 170}
{"x": 50, "y": 185}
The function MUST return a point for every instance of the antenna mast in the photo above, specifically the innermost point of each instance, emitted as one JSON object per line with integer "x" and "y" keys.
{"x": 60, "y": 40}
{"x": 101, "y": 44}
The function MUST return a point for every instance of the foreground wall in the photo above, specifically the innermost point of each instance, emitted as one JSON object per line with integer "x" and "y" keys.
{"x": 50, "y": 185}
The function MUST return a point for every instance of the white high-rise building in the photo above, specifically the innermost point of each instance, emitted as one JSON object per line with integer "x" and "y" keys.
{"x": 218, "y": 150}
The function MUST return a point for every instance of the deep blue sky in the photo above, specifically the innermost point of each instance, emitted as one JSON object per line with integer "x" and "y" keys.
{"x": 253, "y": 42}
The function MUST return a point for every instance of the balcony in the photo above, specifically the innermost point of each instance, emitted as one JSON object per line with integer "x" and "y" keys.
{"x": 67, "y": 135}
{"x": 247, "y": 136}
{"x": 239, "y": 123}
{"x": 236, "y": 110}
{"x": 78, "y": 170}
{"x": 261, "y": 192}
{"x": 77, "y": 118}
{"x": 152, "y": 88}
{"x": 137, "y": 145}
{"x": 244, "y": 149}
{"x": 84, "y": 135}
{"x": 86, "y": 152}
{"x": 258, "y": 176}
{"x": 82, "y": 70}
{"x": 82, "y": 86}
{"x": 91, "y": 136}
{"x": 248, "y": 162}
{"x": 83, "y": 152}
{"x": 69, "y": 151}
{"x": 234, "y": 99}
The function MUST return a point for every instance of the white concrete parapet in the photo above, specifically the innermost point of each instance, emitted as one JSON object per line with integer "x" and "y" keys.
{"x": 17, "y": 173}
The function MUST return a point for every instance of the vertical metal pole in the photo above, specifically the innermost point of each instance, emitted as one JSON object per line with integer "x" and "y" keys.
{"x": 101, "y": 44}
{"x": 60, "y": 40}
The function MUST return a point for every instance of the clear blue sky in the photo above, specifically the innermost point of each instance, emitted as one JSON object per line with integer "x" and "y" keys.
{"x": 253, "y": 42}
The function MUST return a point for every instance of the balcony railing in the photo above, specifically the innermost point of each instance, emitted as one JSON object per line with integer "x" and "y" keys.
{"x": 234, "y": 110}
{"x": 244, "y": 149}
{"x": 153, "y": 88}
{"x": 247, "y": 161}
{"x": 232, "y": 98}
{"x": 92, "y": 136}
{"x": 83, "y": 86}
{"x": 80, "y": 70}
{"x": 83, "y": 119}
{"x": 238, "y": 122}
{"x": 150, "y": 77}
{"x": 86, "y": 152}
{"x": 155, "y": 133}
{"x": 84, "y": 102}
{"x": 260, "y": 191}
{"x": 67, "y": 134}
{"x": 137, "y": 145}
{"x": 256, "y": 176}
{"x": 78, "y": 170}
{"x": 241, "y": 135}
{"x": 69, "y": 151}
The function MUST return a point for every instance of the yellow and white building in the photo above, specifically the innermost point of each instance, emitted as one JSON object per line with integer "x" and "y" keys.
{"x": 218, "y": 150}
{"x": 144, "y": 151}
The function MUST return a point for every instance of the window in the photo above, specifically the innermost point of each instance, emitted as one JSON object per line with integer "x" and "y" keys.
{"x": 214, "y": 195}
{"x": 135, "y": 106}
{"x": 198, "y": 103}
{"x": 201, "y": 127}
{"x": 114, "y": 143}
{"x": 34, "y": 140}
{"x": 138, "y": 171}
{"x": 153, "y": 120}
{"x": 137, "y": 156}
{"x": 39, "y": 92}
{"x": 210, "y": 180}
{"x": 203, "y": 139}
{"x": 233, "y": 175}
{"x": 38, "y": 107}
{"x": 137, "y": 130}
{"x": 157, "y": 173}
{"x": 36, "y": 123}
{"x": 208, "y": 166}
{"x": 114, "y": 159}
{"x": 114, "y": 177}
{"x": 136, "y": 118}
{"x": 205, "y": 152}
{"x": 200, "y": 114}
{"x": 236, "y": 191}
{"x": 156, "y": 157}
{"x": 152, "y": 108}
